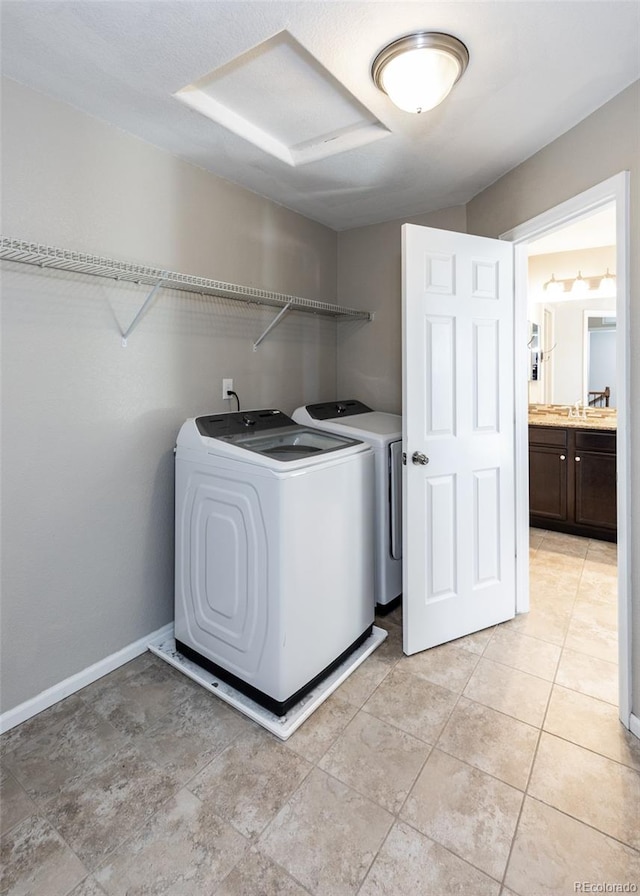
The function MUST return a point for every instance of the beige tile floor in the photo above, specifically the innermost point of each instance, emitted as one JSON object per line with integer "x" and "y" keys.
{"x": 493, "y": 765}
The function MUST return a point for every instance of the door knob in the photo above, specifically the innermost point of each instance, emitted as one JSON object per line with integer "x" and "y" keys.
{"x": 577, "y": 458}
{"x": 563, "y": 457}
{"x": 418, "y": 458}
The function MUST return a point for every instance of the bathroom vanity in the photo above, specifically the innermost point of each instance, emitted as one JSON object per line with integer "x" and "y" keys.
{"x": 572, "y": 471}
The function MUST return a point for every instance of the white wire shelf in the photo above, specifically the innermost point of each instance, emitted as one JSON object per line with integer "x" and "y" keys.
{"x": 79, "y": 263}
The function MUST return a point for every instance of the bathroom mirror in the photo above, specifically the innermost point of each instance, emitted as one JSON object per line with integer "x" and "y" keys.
{"x": 599, "y": 354}
{"x": 576, "y": 352}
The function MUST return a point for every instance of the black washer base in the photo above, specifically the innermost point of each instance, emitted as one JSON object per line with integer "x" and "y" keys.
{"x": 277, "y": 707}
{"x": 385, "y": 609}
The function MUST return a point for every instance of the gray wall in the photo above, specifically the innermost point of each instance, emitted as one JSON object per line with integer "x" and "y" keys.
{"x": 89, "y": 426}
{"x": 370, "y": 356}
{"x": 602, "y": 145}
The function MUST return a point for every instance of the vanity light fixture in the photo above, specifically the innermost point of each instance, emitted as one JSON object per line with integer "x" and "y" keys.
{"x": 603, "y": 285}
{"x": 417, "y": 71}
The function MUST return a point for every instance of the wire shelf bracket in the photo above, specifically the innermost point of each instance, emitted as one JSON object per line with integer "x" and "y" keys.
{"x": 274, "y": 323}
{"x": 43, "y": 256}
{"x": 136, "y": 320}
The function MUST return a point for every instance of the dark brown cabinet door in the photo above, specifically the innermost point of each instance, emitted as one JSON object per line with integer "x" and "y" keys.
{"x": 595, "y": 480}
{"x": 547, "y": 482}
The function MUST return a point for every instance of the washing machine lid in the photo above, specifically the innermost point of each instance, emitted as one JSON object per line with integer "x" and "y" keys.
{"x": 291, "y": 444}
{"x": 272, "y": 434}
{"x": 376, "y": 423}
{"x": 356, "y": 420}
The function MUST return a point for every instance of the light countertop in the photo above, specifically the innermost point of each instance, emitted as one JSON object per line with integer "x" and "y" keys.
{"x": 558, "y": 415}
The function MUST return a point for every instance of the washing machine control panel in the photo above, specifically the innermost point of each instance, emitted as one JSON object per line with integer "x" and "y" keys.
{"x": 331, "y": 410}
{"x": 218, "y": 425}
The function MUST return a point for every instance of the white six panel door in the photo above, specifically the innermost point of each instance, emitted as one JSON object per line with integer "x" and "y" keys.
{"x": 458, "y": 411}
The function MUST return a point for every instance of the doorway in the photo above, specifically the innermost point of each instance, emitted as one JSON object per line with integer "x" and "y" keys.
{"x": 611, "y": 192}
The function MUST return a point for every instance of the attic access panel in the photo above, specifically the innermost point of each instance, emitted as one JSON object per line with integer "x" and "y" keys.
{"x": 280, "y": 98}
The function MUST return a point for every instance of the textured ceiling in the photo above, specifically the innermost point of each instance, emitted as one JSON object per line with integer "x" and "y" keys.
{"x": 536, "y": 69}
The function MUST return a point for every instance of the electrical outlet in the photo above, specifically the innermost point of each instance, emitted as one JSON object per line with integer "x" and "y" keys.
{"x": 227, "y": 386}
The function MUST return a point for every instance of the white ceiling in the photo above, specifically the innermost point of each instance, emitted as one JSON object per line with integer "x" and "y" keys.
{"x": 536, "y": 69}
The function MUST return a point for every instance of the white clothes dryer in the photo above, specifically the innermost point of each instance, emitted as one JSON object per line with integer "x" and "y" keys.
{"x": 384, "y": 433}
{"x": 274, "y": 555}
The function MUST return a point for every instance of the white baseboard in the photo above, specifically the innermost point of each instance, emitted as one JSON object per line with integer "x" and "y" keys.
{"x": 57, "y": 692}
{"x": 634, "y": 725}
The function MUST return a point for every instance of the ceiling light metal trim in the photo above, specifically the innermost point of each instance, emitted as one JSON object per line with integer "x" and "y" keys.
{"x": 420, "y": 40}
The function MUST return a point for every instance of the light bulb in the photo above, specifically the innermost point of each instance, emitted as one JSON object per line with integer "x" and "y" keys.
{"x": 580, "y": 285}
{"x": 419, "y": 80}
{"x": 554, "y": 287}
{"x": 607, "y": 286}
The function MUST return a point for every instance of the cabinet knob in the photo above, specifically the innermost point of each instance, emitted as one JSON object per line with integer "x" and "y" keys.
{"x": 563, "y": 457}
{"x": 577, "y": 458}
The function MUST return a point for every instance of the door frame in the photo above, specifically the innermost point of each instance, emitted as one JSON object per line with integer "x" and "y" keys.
{"x": 548, "y": 337}
{"x": 614, "y": 189}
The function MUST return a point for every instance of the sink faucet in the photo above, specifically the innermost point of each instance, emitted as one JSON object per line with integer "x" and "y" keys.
{"x": 578, "y": 410}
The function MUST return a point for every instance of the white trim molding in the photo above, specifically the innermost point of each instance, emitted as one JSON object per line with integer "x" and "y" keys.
{"x": 614, "y": 190}
{"x": 74, "y": 683}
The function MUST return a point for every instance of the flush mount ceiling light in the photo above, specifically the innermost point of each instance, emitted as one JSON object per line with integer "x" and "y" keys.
{"x": 418, "y": 71}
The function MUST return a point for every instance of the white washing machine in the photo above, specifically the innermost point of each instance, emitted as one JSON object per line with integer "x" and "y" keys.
{"x": 384, "y": 433}
{"x": 274, "y": 556}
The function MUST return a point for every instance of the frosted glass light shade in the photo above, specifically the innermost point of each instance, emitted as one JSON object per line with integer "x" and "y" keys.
{"x": 607, "y": 287}
{"x": 418, "y": 71}
{"x": 580, "y": 285}
{"x": 553, "y": 287}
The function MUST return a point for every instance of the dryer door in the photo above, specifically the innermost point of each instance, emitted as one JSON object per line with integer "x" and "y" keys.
{"x": 395, "y": 498}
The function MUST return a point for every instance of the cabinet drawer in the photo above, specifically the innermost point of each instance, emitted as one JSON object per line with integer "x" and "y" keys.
{"x": 595, "y": 441}
{"x": 548, "y": 435}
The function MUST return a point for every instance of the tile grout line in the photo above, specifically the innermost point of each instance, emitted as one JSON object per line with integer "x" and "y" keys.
{"x": 179, "y": 785}
{"x": 40, "y": 814}
{"x": 543, "y": 730}
{"x": 399, "y": 819}
{"x": 43, "y": 812}
{"x": 593, "y": 752}
{"x": 535, "y": 755}
{"x": 586, "y": 824}
{"x": 316, "y": 765}
{"x": 396, "y": 816}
